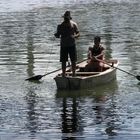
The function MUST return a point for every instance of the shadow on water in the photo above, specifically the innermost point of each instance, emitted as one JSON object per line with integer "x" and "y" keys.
{"x": 101, "y": 109}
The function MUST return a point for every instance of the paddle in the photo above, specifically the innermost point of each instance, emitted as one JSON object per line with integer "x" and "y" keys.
{"x": 38, "y": 77}
{"x": 136, "y": 76}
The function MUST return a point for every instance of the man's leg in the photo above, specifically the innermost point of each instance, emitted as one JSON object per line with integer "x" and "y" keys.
{"x": 73, "y": 58}
{"x": 73, "y": 67}
{"x": 63, "y": 69}
{"x": 63, "y": 59}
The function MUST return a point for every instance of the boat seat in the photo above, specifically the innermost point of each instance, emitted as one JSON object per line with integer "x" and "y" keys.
{"x": 82, "y": 73}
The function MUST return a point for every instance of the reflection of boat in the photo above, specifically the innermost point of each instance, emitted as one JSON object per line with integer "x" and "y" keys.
{"x": 87, "y": 79}
{"x": 97, "y": 105}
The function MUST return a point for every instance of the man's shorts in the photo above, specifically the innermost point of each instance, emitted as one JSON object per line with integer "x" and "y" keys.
{"x": 68, "y": 51}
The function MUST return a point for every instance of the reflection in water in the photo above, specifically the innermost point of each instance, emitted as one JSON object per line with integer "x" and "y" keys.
{"x": 101, "y": 111}
{"x": 105, "y": 113}
{"x": 69, "y": 116}
{"x": 108, "y": 36}
{"x": 30, "y": 43}
{"x": 105, "y": 110}
{"x": 30, "y": 61}
{"x": 32, "y": 124}
{"x": 107, "y": 31}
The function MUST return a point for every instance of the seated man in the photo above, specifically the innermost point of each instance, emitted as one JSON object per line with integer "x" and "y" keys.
{"x": 97, "y": 51}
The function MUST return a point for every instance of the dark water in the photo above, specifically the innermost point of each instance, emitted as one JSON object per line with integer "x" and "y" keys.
{"x": 38, "y": 111}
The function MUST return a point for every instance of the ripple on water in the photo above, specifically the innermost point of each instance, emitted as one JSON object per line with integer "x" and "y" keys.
{"x": 37, "y": 110}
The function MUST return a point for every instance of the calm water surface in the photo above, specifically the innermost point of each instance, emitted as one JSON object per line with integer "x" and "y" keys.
{"x": 37, "y": 111}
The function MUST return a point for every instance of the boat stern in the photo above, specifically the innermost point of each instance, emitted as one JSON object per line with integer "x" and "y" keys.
{"x": 67, "y": 82}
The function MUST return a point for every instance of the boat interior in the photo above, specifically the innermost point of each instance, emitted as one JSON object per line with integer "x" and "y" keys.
{"x": 80, "y": 69}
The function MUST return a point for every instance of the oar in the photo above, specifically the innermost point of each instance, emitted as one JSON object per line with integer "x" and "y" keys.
{"x": 38, "y": 77}
{"x": 136, "y": 76}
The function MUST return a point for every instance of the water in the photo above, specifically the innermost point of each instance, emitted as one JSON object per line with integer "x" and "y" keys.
{"x": 38, "y": 111}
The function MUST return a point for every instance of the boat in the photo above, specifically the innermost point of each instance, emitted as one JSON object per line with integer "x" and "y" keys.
{"x": 85, "y": 80}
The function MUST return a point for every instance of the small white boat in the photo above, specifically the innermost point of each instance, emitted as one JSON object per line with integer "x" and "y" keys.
{"x": 86, "y": 80}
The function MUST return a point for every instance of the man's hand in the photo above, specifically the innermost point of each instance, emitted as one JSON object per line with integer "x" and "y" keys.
{"x": 76, "y": 35}
{"x": 93, "y": 58}
{"x": 56, "y": 35}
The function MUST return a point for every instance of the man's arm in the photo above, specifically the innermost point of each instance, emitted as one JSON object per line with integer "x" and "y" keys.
{"x": 57, "y": 34}
{"x": 77, "y": 33}
{"x": 101, "y": 55}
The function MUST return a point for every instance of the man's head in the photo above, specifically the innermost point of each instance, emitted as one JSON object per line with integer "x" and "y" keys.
{"x": 97, "y": 40}
{"x": 67, "y": 15}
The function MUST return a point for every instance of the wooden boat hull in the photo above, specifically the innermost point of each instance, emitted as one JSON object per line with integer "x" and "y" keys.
{"x": 84, "y": 80}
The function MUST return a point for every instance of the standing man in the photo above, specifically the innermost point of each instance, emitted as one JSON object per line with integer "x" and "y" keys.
{"x": 67, "y": 31}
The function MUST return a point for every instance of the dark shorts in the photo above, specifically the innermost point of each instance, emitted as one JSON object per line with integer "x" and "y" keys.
{"x": 66, "y": 52}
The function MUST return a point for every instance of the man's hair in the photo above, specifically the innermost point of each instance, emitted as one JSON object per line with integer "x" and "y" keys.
{"x": 97, "y": 38}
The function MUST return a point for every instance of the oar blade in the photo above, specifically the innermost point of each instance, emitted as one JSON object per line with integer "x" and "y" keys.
{"x": 33, "y": 78}
{"x": 138, "y": 77}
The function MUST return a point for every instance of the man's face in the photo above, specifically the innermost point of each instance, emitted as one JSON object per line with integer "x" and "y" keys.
{"x": 96, "y": 42}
